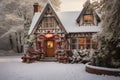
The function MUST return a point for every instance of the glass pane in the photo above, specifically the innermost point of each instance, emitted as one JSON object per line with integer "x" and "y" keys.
{"x": 74, "y": 40}
{"x": 81, "y": 40}
{"x": 49, "y": 44}
{"x": 88, "y": 19}
{"x": 88, "y": 40}
{"x": 45, "y": 19}
{"x": 73, "y": 46}
{"x": 81, "y": 46}
{"x": 87, "y": 46}
{"x": 81, "y": 43}
{"x": 51, "y": 24}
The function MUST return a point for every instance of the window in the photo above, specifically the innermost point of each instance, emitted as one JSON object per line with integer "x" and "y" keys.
{"x": 48, "y": 22}
{"x": 88, "y": 19}
{"x": 81, "y": 43}
{"x": 74, "y": 44}
{"x": 86, "y": 43}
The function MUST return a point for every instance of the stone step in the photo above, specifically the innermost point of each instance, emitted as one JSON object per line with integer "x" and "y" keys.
{"x": 49, "y": 59}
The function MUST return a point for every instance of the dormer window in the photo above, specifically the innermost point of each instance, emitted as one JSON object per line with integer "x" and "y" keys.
{"x": 88, "y": 19}
{"x": 88, "y": 16}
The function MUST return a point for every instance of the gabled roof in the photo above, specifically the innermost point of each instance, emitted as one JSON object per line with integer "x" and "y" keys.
{"x": 38, "y": 17}
{"x": 34, "y": 21}
{"x": 66, "y": 19}
{"x": 83, "y": 11}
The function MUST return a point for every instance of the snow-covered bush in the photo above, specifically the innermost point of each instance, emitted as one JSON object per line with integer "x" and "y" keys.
{"x": 81, "y": 56}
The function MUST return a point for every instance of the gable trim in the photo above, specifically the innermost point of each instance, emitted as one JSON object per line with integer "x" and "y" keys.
{"x": 41, "y": 15}
{"x": 84, "y": 9}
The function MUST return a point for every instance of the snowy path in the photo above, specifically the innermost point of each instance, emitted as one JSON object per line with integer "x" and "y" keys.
{"x": 11, "y": 68}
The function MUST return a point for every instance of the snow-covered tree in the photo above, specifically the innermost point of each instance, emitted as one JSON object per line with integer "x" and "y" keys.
{"x": 55, "y": 3}
{"x": 109, "y": 37}
{"x": 15, "y": 16}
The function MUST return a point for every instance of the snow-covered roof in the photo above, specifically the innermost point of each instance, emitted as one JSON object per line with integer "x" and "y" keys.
{"x": 34, "y": 21}
{"x": 68, "y": 20}
{"x": 36, "y": 17}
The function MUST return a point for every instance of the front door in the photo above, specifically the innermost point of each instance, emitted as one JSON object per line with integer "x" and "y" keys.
{"x": 50, "y": 48}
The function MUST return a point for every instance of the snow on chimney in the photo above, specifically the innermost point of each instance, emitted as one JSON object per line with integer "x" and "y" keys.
{"x": 37, "y": 7}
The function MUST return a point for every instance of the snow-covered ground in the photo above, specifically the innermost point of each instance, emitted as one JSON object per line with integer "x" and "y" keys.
{"x": 11, "y": 68}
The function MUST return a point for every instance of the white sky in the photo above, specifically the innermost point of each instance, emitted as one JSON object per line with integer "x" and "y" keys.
{"x": 72, "y": 5}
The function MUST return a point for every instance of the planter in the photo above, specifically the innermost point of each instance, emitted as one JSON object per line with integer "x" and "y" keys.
{"x": 102, "y": 70}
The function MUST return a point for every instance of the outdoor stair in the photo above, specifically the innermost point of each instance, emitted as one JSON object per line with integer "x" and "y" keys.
{"x": 49, "y": 59}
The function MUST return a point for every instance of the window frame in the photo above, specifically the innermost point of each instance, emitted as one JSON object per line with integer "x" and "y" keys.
{"x": 74, "y": 44}
{"x": 91, "y": 44}
{"x": 88, "y": 21}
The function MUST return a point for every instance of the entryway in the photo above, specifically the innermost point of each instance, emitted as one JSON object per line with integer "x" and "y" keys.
{"x": 50, "y": 48}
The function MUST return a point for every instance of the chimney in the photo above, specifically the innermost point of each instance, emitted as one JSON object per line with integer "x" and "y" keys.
{"x": 36, "y": 7}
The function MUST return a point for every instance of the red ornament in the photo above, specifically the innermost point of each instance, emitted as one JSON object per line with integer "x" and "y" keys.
{"x": 48, "y": 31}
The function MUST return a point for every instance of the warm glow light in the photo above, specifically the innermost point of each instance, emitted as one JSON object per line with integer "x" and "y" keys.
{"x": 49, "y": 35}
{"x": 49, "y": 44}
{"x": 81, "y": 40}
{"x": 88, "y": 18}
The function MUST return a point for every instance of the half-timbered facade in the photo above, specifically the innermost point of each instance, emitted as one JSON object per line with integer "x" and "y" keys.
{"x": 65, "y": 30}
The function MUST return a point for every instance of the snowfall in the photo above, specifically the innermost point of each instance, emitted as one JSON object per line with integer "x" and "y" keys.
{"x": 11, "y": 68}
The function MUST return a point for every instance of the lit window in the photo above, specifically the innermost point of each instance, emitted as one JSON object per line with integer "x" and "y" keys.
{"x": 88, "y": 19}
{"x": 81, "y": 43}
{"x": 86, "y": 43}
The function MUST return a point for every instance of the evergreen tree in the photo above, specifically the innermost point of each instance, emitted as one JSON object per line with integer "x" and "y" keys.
{"x": 109, "y": 37}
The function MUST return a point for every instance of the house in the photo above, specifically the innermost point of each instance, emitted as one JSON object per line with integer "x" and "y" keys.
{"x": 64, "y": 30}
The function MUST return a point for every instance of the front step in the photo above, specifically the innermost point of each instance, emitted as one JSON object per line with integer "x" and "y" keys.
{"x": 49, "y": 59}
